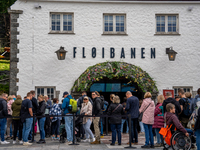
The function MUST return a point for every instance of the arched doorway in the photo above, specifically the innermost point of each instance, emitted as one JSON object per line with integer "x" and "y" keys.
{"x": 114, "y": 77}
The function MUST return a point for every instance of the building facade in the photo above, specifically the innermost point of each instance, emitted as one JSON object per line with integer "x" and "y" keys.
{"x": 133, "y": 34}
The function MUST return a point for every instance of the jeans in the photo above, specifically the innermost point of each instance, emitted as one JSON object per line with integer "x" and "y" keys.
{"x": 9, "y": 130}
{"x": 2, "y": 126}
{"x": 158, "y": 136}
{"x": 101, "y": 126}
{"x": 88, "y": 132}
{"x": 127, "y": 128}
{"x": 41, "y": 122}
{"x": 32, "y": 129}
{"x": 141, "y": 126}
{"x": 148, "y": 134}
{"x": 27, "y": 125}
{"x": 114, "y": 128}
{"x": 17, "y": 127}
{"x": 55, "y": 127}
{"x": 134, "y": 133}
{"x": 198, "y": 139}
{"x": 69, "y": 127}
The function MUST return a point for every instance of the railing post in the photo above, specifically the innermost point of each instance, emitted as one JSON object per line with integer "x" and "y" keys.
{"x": 32, "y": 141}
{"x": 130, "y": 130}
{"x": 106, "y": 125}
{"x": 73, "y": 141}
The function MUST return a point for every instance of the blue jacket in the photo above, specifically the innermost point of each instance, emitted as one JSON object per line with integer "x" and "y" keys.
{"x": 193, "y": 104}
{"x": 65, "y": 104}
{"x": 49, "y": 104}
{"x": 132, "y": 106}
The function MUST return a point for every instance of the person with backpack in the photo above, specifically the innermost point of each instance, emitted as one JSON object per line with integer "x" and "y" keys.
{"x": 115, "y": 110}
{"x": 68, "y": 119}
{"x": 185, "y": 108}
{"x": 96, "y": 111}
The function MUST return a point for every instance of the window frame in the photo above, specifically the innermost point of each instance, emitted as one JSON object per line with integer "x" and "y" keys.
{"x": 166, "y": 25}
{"x": 61, "y": 23}
{"x": 184, "y": 87}
{"x": 45, "y": 91}
{"x": 114, "y": 32}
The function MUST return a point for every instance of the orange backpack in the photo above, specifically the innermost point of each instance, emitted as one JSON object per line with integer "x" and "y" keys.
{"x": 166, "y": 133}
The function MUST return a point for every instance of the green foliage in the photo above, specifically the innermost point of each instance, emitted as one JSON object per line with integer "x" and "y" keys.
{"x": 4, "y": 65}
{"x": 115, "y": 70}
{"x": 3, "y": 76}
{"x": 5, "y": 4}
{"x": 4, "y": 88}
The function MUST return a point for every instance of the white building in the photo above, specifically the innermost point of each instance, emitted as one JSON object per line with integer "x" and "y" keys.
{"x": 98, "y": 31}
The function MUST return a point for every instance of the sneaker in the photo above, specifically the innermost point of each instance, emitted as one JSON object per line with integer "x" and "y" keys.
{"x": 96, "y": 142}
{"x": 52, "y": 138}
{"x": 152, "y": 146}
{"x": 102, "y": 136}
{"x": 4, "y": 142}
{"x": 112, "y": 144}
{"x": 157, "y": 145}
{"x": 86, "y": 140}
{"x": 69, "y": 142}
{"x": 20, "y": 142}
{"x": 145, "y": 146}
{"x": 27, "y": 144}
{"x": 58, "y": 138}
{"x": 41, "y": 142}
{"x": 14, "y": 142}
{"x": 92, "y": 140}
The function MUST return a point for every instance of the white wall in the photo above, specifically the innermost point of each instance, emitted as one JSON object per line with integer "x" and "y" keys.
{"x": 38, "y": 64}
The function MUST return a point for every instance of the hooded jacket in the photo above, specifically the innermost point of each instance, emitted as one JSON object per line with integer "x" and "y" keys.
{"x": 65, "y": 104}
{"x": 97, "y": 105}
{"x": 158, "y": 120}
{"x": 148, "y": 114}
{"x": 16, "y": 108}
{"x": 173, "y": 119}
{"x": 173, "y": 101}
{"x": 3, "y": 108}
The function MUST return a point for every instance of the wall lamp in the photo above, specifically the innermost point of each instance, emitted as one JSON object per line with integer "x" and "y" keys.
{"x": 171, "y": 53}
{"x": 61, "y": 53}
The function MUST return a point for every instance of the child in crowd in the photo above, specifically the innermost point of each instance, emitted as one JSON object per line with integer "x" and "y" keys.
{"x": 171, "y": 118}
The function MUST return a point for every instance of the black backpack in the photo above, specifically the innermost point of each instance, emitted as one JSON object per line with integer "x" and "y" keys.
{"x": 186, "y": 108}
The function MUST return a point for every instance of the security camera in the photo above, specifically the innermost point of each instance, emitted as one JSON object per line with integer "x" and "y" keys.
{"x": 37, "y": 6}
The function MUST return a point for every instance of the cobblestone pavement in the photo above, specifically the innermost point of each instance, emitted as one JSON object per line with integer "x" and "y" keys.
{"x": 55, "y": 145}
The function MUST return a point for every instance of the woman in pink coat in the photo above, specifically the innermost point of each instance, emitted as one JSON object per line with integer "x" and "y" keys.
{"x": 10, "y": 100}
{"x": 148, "y": 119}
{"x": 159, "y": 120}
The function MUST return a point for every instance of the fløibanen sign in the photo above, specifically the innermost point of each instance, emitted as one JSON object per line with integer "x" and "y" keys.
{"x": 112, "y": 52}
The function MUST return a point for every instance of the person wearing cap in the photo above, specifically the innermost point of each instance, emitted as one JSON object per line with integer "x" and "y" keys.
{"x": 68, "y": 119}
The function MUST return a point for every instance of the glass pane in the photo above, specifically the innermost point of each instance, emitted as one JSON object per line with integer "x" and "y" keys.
{"x": 117, "y": 18}
{"x": 160, "y": 23}
{"x": 110, "y": 28}
{"x": 48, "y": 90}
{"x": 52, "y": 90}
{"x": 64, "y": 17}
{"x": 65, "y": 28}
{"x": 58, "y": 28}
{"x": 69, "y": 17}
{"x": 38, "y": 91}
{"x": 122, "y": 29}
{"x": 111, "y": 18}
{"x": 106, "y": 28}
{"x": 122, "y": 18}
{"x": 163, "y": 29}
{"x": 69, "y": 28}
{"x": 42, "y": 91}
{"x": 53, "y": 16}
{"x": 106, "y": 18}
{"x": 58, "y": 17}
{"x": 117, "y": 29}
{"x": 174, "y": 29}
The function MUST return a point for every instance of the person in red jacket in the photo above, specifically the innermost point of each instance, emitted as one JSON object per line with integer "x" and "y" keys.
{"x": 159, "y": 120}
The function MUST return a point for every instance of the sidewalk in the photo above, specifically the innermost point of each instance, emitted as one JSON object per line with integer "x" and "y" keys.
{"x": 55, "y": 145}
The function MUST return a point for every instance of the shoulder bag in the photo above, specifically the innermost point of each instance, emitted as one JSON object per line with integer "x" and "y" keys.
{"x": 141, "y": 114}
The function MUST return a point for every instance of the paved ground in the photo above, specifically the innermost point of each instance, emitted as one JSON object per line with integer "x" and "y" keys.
{"x": 55, "y": 145}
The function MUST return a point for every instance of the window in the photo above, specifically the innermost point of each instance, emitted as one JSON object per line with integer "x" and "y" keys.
{"x": 114, "y": 24}
{"x": 50, "y": 91}
{"x": 62, "y": 23}
{"x": 186, "y": 89}
{"x": 167, "y": 24}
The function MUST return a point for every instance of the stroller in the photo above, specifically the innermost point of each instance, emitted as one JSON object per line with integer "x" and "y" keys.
{"x": 62, "y": 130}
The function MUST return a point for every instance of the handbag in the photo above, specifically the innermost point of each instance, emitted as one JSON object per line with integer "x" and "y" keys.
{"x": 141, "y": 114}
{"x": 191, "y": 122}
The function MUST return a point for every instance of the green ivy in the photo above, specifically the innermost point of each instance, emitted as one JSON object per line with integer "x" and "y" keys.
{"x": 4, "y": 88}
{"x": 116, "y": 70}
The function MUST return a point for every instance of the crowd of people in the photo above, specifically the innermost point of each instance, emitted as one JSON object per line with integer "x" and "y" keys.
{"x": 17, "y": 121}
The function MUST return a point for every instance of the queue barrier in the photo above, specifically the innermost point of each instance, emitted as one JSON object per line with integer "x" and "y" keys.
{"x": 74, "y": 115}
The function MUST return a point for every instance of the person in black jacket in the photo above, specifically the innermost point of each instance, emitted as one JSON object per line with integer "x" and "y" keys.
{"x": 96, "y": 111}
{"x": 34, "y": 108}
{"x": 41, "y": 120}
{"x": 173, "y": 101}
{"x": 3, "y": 113}
{"x": 115, "y": 109}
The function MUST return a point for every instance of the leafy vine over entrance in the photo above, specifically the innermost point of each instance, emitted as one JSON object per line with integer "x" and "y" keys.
{"x": 115, "y": 70}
